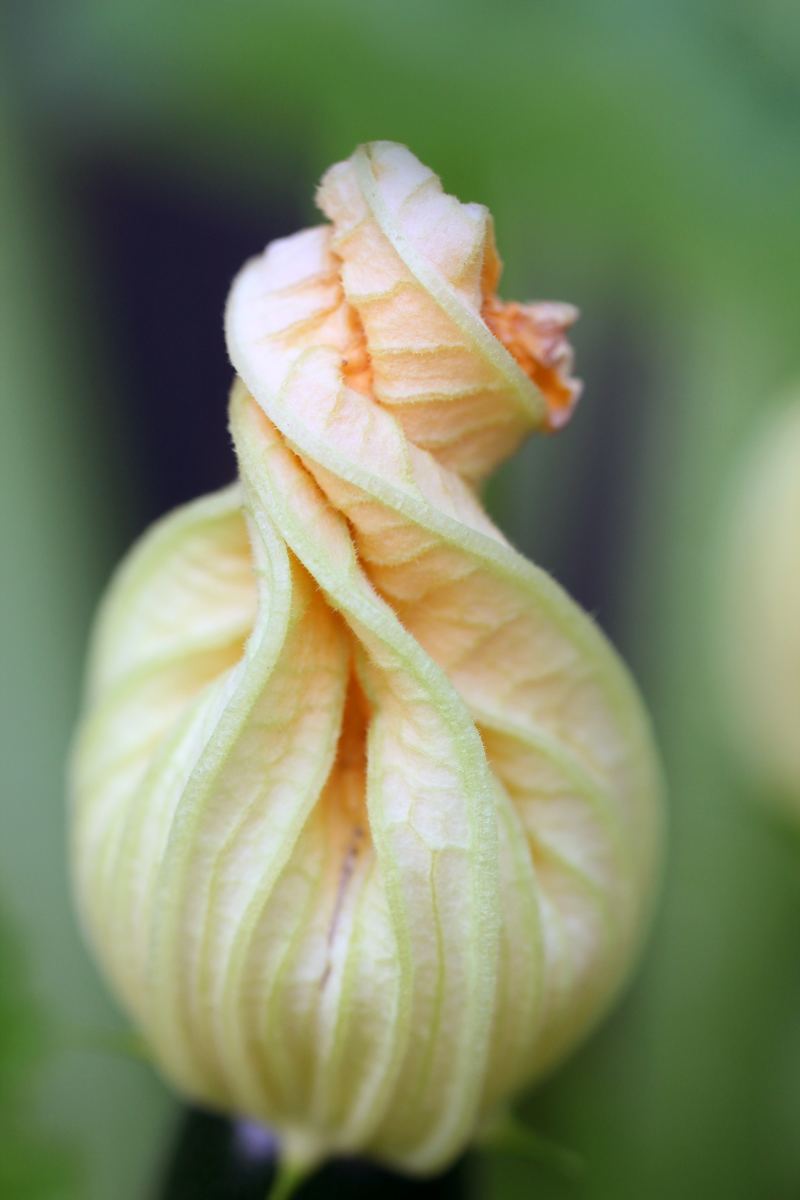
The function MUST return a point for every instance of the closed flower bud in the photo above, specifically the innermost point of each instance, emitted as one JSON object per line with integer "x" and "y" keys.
{"x": 760, "y": 607}
{"x": 366, "y": 810}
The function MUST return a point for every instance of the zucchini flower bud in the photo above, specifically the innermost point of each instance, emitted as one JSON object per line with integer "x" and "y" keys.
{"x": 760, "y": 604}
{"x": 366, "y": 810}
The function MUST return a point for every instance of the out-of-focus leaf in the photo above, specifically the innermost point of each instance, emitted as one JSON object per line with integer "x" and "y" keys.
{"x": 33, "y": 1165}
{"x": 107, "y": 1113}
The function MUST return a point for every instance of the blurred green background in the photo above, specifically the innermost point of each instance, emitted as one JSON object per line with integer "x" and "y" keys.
{"x": 641, "y": 159}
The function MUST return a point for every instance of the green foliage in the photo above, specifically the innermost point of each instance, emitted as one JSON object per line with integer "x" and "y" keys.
{"x": 33, "y": 1165}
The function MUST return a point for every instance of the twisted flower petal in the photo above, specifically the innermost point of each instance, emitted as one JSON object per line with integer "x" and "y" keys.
{"x": 366, "y": 809}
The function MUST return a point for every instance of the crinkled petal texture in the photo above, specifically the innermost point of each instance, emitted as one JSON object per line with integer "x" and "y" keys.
{"x": 760, "y": 606}
{"x": 366, "y": 809}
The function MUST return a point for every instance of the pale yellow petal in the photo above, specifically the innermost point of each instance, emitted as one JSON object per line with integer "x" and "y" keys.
{"x": 365, "y": 810}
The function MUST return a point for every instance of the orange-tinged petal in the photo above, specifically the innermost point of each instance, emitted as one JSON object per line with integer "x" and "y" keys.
{"x": 366, "y": 809}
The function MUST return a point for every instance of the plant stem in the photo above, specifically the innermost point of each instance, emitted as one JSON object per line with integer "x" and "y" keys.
{"x": 288, "y": 1177}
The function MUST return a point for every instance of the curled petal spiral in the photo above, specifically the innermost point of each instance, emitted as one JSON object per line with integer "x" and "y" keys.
{"x": 366, "y": 810}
